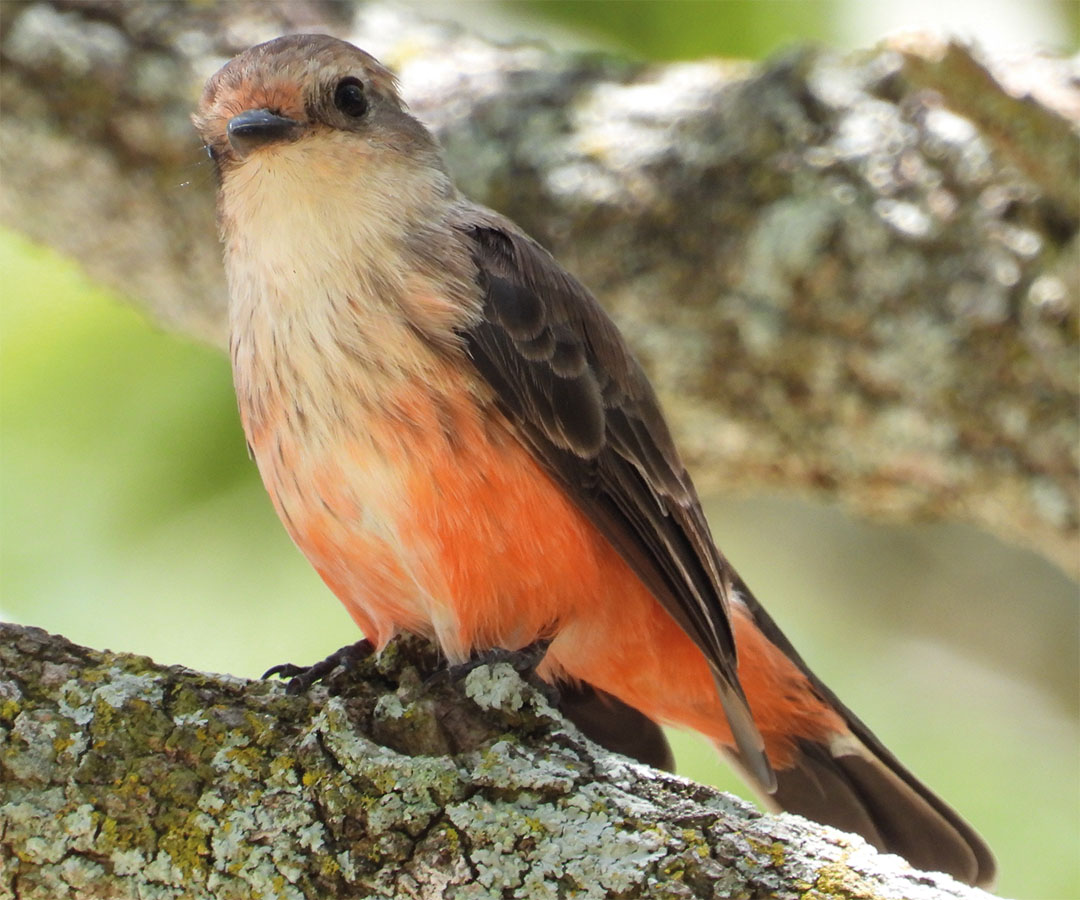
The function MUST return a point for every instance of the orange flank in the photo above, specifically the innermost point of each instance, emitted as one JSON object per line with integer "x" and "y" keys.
{"x": 486, "y": 550}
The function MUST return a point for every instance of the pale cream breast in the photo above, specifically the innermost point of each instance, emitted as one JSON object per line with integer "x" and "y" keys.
{"x": 335, "y": 329}
{"x": 323, "y": 289}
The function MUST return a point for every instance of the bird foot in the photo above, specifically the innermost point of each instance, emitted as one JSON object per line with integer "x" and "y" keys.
{"x": 302, "y": 678}
{"x": 524, "y": 661}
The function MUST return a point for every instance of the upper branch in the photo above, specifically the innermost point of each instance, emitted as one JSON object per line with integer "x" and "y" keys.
{"x": 854, "y": 275}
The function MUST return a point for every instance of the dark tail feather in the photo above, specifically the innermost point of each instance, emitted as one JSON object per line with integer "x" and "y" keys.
{"x": 616, "y": 726}
{"x": 882, "y": 801}
{"x": 857, "y": 785}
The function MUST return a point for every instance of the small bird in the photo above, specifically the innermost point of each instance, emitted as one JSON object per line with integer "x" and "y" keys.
{"x": 461, "y": 442}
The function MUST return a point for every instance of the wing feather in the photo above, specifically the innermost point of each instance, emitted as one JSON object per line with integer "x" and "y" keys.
{"x": 564, "y": 375}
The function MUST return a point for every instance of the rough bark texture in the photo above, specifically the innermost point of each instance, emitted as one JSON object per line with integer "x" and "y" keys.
{"x": 124, "y": 779}
{"x": 849, "y": 275}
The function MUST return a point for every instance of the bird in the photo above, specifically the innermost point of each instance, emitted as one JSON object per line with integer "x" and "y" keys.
{"x": 461, "y": 442}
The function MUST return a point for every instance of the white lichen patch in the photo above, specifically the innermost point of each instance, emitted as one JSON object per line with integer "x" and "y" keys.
{"x": 788, "y": 237}
{"x": 906, "y": 218}
{"x": 893, "y": 878}
{"x": 123, "y": 687}
{"x": 80, "y": 872}
{"x": 312, "y": 836}
{"x": 40, "y": 819}
{"x": 77, "y": 744}
{"x": 211, "y": 801}
{"x": 161, "y": 892}
{"x": 498, "y": 864}
{"x": 30, "y": 752}
{"x": 9, "y": 692}
{"x": 389, "y": 706}
{"x": 266, "y": 879}
{"x": 190, "y": 720}
{"x": 503, "y": 765}
{"x": 399, "y": 811}
{"x": 348, "y": 865}
{"x": 341, "y": 739}
{"x": 74, "y": 703}
{"x": 289, "y": 862}
{"x": 127, "y": 862}
{"x": 499, "y": 687}
{"x": 1053, "y": 504}
{"x": 229, "y": 838}
{"x": 163, "y": 870}
{"x": 628, "y": 127}
{"x": 495, "y": 687}
{"x": 622, "y": 770}
{"x": 948, "y": 127}
{"x": 81, "y": 827}
{"x": 593, "y": 796}
{"x": 260, "y": 824}
{"x": 580, "y": 840}
{"x": 415, "y": 778}
{"x": 227, "y": 759}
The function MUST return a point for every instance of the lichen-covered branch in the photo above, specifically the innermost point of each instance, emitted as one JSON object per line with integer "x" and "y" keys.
{"x": 120, "y": 778}
{"x": 849, "y": 275}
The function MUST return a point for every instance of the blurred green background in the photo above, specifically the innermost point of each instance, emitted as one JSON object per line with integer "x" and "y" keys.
{"x": 131, "y": 518}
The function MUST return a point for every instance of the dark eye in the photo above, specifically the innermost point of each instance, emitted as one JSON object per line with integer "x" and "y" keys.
{"x": 349, "y": 97}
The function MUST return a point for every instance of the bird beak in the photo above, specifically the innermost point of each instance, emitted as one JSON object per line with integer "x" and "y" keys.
{"x": 255, "y": 128}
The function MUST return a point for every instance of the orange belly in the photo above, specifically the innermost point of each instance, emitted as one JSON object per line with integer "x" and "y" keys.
{"x": 441, "y": 522}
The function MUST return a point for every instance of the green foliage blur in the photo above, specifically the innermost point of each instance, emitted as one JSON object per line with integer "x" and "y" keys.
{"x": 754, "y": 29}
{"x": 131, "y": 518}
{"x": 687, "y": 29}
{"x": 130, "y": 515}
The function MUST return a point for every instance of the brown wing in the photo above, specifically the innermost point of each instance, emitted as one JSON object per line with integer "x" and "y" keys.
{"x": 564, "y": 375}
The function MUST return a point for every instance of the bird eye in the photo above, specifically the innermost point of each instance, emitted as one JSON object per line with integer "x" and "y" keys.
{"x": 349, "y": 97}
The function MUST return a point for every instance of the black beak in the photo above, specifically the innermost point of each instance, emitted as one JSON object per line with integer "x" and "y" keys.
{"x": 257, "y": 127}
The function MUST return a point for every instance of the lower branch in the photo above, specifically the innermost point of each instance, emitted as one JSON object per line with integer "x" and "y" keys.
{"x": 122, "y": 778}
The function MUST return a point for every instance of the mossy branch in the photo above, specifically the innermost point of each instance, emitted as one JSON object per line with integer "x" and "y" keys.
{"x": 121, "y": 778}
{"x": 849, "y": 275}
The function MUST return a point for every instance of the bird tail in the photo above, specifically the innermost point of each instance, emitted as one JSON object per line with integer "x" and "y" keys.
{"x": 851, "y": 781}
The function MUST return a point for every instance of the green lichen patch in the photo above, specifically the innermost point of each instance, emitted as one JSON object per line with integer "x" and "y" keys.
{"x": 837, "y": 881}
{"x": 10, "y": 702}
{"x": 187, "y": 845}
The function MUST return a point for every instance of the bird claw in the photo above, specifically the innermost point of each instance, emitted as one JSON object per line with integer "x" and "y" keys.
{"x": 302, "y": 678}
{"x": 524, "y": 661}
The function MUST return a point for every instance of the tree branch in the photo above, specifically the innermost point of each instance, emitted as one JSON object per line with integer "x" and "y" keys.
{"x": 854, "y": 276}
{"x": 122, "y": 778}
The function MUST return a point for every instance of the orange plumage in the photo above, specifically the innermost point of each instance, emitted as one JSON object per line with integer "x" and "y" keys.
{"x": 499, "y": 556}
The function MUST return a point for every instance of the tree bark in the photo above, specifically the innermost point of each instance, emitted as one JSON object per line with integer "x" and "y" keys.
{"x": 848, "y": 275}
{"x": 125, "y": 779}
